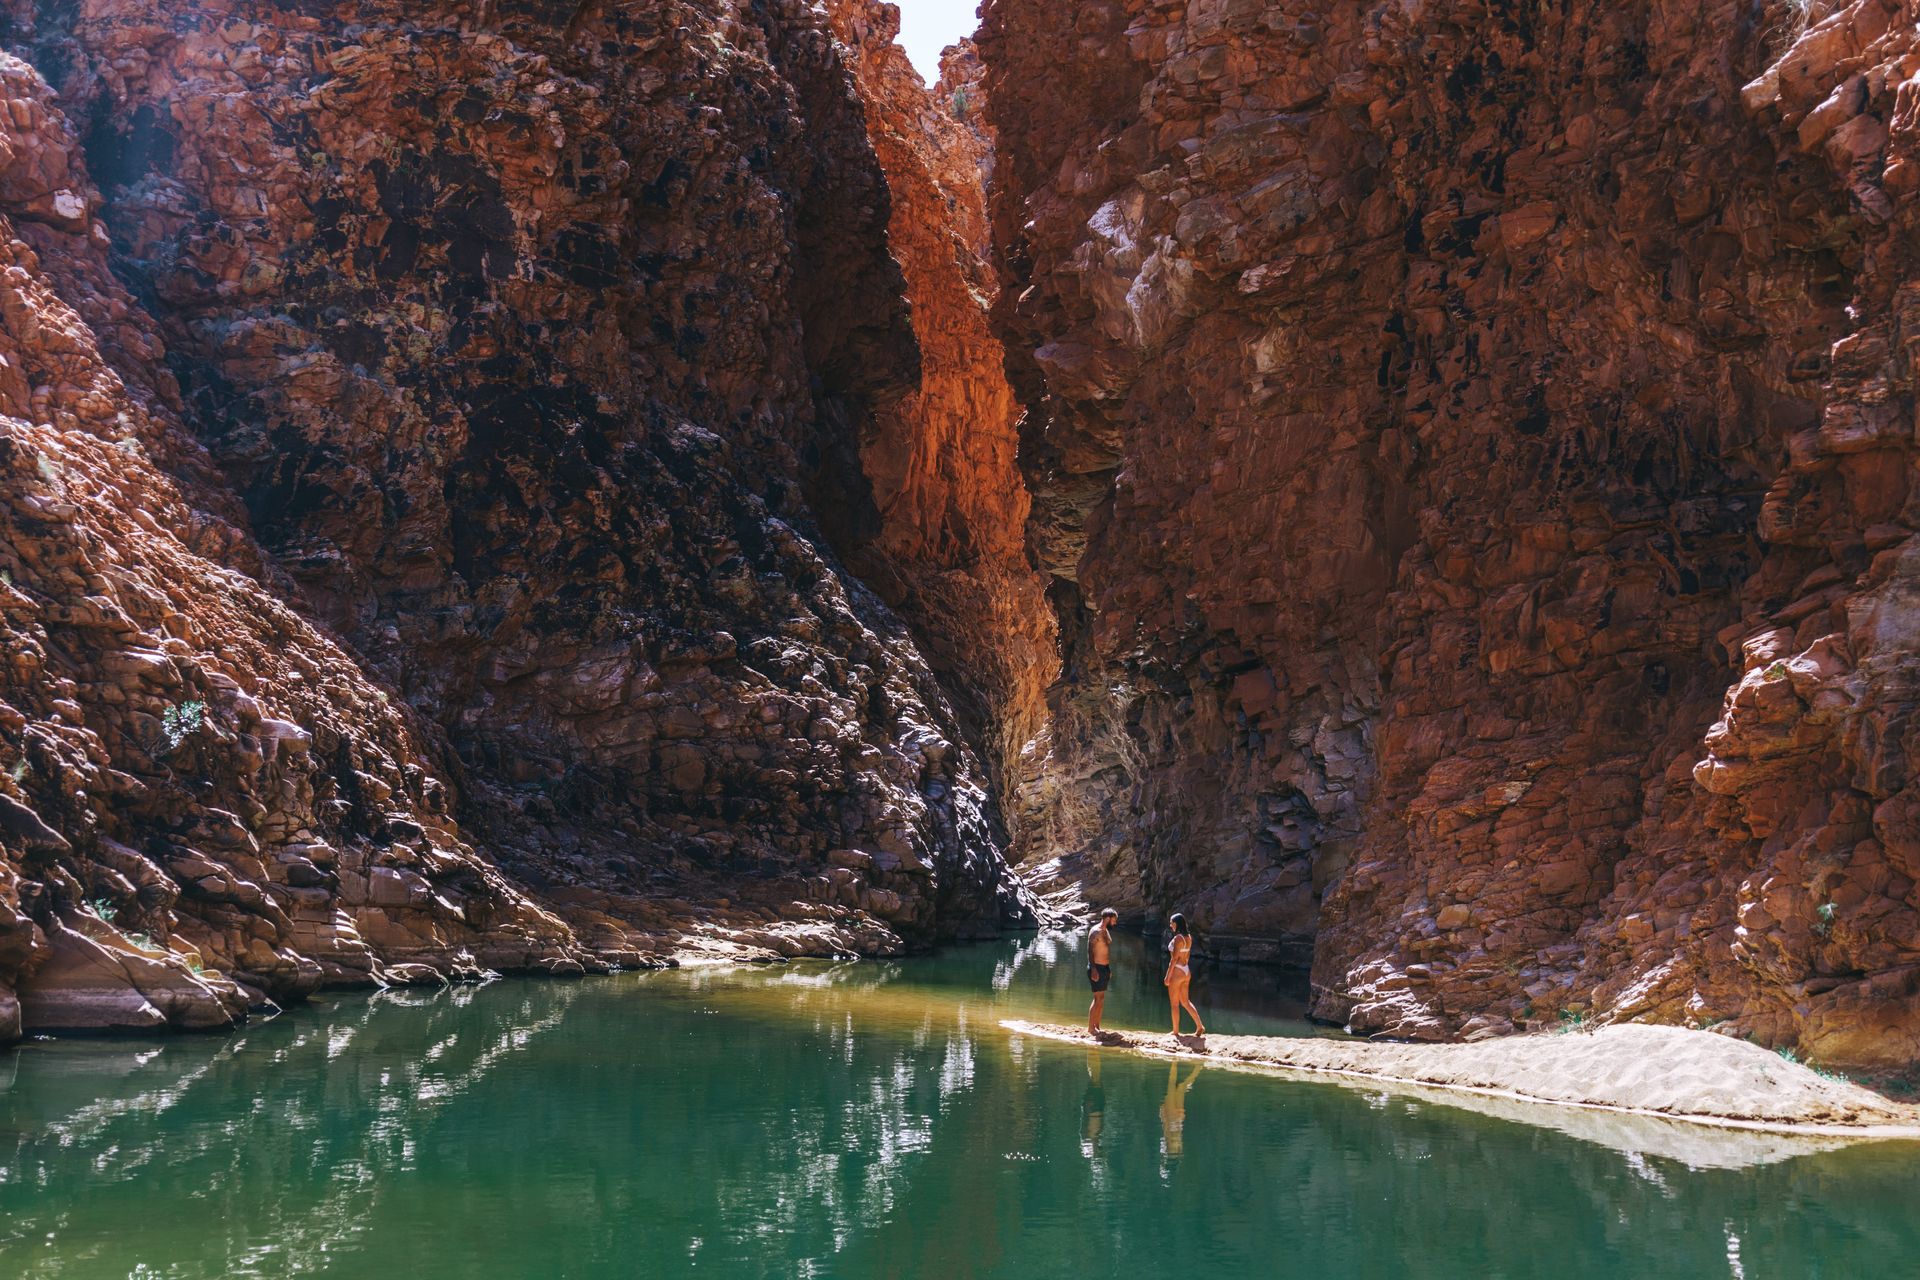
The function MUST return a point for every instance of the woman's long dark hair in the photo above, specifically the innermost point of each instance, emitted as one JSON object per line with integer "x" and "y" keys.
{"x": 1179, "y": 923}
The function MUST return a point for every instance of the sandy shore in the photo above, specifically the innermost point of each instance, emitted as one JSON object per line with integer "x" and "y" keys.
{"x": 1668, "y": 1072}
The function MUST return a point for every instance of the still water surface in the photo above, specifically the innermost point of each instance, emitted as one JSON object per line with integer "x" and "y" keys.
{"x": 861, "y": 1120}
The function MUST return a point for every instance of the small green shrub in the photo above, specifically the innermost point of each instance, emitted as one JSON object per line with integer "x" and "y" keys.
{"x": 1823, "y": 925}
{"x": 1787, "y": 1053}
{"x": 103, "y": 908}
{"x": 19, "y": 770}
{"x": 1902, "y": 1084}
{"x": 1571, "y": 1020}
{"x": 181, "y": 722}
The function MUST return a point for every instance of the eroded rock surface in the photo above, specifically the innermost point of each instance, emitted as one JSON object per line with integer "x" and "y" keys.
{"x": 426, "y": 429}
{"x": 530, "y": 485}
{"x": 1475, "y": 447}
{"x": 948, "y": 545}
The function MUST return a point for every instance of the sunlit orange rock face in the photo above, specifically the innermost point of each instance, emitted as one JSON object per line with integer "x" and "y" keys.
{"x": 1475, "y": 447}
{"x": 431, "y": 446}
{"x": 949, "y": 544}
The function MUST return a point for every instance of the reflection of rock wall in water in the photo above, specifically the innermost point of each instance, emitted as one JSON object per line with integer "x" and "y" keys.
{"x": 373, "y": 1129}
{"x": 1475, "y": 448}
{"x": 420, "y": 425}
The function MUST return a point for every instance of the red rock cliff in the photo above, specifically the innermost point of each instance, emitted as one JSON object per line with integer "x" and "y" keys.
{"x": 949, "y": 543}
{"x": 427, "y": 431}
{"x": 1475, "y": 446}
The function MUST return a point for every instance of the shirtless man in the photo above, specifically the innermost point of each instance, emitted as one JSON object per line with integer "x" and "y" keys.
{"x": 1100, "y": 965}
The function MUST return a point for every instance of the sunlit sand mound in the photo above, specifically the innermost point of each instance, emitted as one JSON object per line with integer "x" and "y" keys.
{"x": 1668, "y": 1071}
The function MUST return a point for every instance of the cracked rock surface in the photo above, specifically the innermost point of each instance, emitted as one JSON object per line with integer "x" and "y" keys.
{"x": 947, "y": 544}
{"x": 429, "y": 433}
{"x": 1474, "y": 444}
{"x": 532, "y": 484}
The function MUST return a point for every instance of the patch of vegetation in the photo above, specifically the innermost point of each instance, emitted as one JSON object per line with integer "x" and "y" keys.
{"x": 1571, "y": 1020}
{"x": 103, "y": 908}
{"x": 1823, "y": 925}
{"x": 181, "y": 722}
{"x": 960, "y": 104}
{"x": 1835, "y": 1076}
{"x": 19, "y": 770}
{"x": 1786, "y": 1052}
{"x": 1896, "y": 1084}
{"x": 1775, "y": 671}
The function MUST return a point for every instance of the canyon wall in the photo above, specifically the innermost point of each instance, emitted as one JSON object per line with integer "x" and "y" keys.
{"x": 947, "y": 546}
{"x": 1473, "y": 442}
{"x": 532, "y": 485}
{"x": 431, "y": 438}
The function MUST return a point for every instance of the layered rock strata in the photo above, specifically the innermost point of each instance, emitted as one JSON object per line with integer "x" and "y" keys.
{"x": 427, "y": 429}
{"x": 948, "y": 545}
{"x": 1475, "y": 447}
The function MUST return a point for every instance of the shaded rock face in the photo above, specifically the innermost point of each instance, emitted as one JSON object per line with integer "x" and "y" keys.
{"x": 424, "y": 433}
{"x": 1474, "y": 445}
{"x": 947, "y": 542}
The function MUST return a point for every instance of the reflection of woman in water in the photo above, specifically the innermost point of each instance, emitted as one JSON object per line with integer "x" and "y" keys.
{"x": 1173, "y": 1112}
{"x": 1180, "y": 974}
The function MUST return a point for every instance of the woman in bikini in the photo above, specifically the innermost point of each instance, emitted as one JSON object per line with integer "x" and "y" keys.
{"x": 1180, "y": 974}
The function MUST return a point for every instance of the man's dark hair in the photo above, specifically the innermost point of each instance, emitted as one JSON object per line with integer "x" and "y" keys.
{"x": 1109, "y": 914}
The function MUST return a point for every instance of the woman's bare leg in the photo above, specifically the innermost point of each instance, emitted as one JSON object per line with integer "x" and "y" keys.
{"x": 1199, "y": 1027}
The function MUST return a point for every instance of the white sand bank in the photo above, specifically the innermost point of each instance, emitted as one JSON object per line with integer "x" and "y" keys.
{"x": 1669, "y": 1072}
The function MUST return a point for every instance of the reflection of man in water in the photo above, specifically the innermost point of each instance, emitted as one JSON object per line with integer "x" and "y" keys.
{"x": 1173, "y": 1112}
{"x": 1100, "y": 965}
{"x": 1096, "y": 1106}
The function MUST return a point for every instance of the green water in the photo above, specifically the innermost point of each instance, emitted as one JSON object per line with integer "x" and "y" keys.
{"x": 859, "y": 1120}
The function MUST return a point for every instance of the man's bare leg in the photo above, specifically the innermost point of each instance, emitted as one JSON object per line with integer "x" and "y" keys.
{"x": 1094, "y": 1010}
